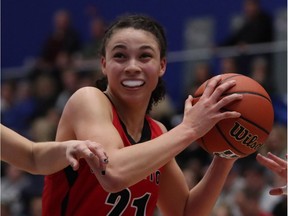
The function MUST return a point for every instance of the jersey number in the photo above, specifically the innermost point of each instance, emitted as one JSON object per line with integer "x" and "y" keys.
{"x": 120, "y": 202}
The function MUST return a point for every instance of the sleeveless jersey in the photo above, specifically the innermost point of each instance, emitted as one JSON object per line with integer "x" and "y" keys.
{"x": 79, "y": 193}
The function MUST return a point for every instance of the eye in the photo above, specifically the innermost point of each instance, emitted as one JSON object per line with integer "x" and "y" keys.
{"x": 119, "y": 55}
{"x": 146, "y": 55}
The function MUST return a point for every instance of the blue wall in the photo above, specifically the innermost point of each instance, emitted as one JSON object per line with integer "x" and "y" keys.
{"x": 25, "y": 24}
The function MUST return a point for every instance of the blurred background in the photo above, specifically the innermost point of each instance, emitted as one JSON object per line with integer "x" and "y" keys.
{"x": 49, "y": 50}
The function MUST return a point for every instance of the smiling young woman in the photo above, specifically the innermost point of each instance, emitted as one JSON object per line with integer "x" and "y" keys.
{"x": 142, "y": 171}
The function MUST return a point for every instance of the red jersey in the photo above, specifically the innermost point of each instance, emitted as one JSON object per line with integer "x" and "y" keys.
{"x": 69, "y": 192}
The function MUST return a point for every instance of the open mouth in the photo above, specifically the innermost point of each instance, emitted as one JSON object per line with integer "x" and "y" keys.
{"x": 133, "y": 83}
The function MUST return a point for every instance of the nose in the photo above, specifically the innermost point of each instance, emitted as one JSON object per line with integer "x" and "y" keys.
{"x": 132, "y": 66}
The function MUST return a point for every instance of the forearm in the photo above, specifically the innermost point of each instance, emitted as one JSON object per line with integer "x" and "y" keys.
{"x": 131, "y": 164}
{"x": 48, "y": 157}
{"x": 15, "y": 149}
{"x": 36, "y": 158}
{"x": 204, "y": 195}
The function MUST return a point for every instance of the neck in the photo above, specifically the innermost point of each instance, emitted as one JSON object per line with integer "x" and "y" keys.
{"x": 132, "y": 115}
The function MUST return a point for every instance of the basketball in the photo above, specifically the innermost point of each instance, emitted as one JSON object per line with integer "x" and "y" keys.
{"x": 240, "y": 137}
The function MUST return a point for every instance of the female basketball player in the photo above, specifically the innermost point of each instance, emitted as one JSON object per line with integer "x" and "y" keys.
{"x": 276, "y": 165}
{"x": 142, "y": 171}
{"x": 49, "y": 157}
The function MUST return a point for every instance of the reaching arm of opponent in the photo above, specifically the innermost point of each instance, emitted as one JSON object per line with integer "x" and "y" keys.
{"x": 48, "y": 157}
{"x": 276, "y": 165}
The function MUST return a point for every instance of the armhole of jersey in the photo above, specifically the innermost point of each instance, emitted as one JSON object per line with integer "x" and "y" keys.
{"x": 71, "y": 177}
{"x": 155, "y": 126}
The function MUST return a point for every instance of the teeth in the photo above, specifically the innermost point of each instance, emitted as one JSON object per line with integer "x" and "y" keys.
{"x": 132, "y": 83}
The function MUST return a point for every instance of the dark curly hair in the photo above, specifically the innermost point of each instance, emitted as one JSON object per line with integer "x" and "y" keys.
{"x": 145, "y": 23}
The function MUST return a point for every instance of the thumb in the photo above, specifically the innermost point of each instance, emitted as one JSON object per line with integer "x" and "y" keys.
{"x": 188, "y": 102}
{"x": 74, "y": 163}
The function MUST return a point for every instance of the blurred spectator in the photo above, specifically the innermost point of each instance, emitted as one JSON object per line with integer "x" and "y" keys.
{"x": 86, "y": 78}
{"x": 194, "y": 157}
{"x": 18, "y": 106}
{"x": 69, "y": 79}
{"x": 45, "y": 92}
{"x": 276, "y": 142}
{"x": 260, "y": 73}
{"x": 257, "y": 180}
{"x": 44, "y": 128}
{"x": 248, "y": 201}
{"x": 222, "y": 210}
{"x": 234, "y": 183}
{"x": 228, "y": 65}
{"x": 191, "y": 177}
{"x": 164, "y": 111}
{"x": 97, "y": 29}
{"x": 32, "y": 196}
{"x": 197, "y": 169}
{"x": 64, "y": 38}
{"x": 280, "y": 109}
{"x": 36, "y": 206}
{"x": 12, "y": 185}
{"x": 202, "y": 72}
{"x": 257, "y": 27}
{"x": 7, "y": 94}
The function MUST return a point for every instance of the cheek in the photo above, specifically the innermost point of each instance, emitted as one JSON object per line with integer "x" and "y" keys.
{"x": 112, "y": 68}
{"x": 153, "y": 77}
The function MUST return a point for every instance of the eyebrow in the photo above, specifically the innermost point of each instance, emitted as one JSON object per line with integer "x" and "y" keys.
{"x": 121, "y": 46}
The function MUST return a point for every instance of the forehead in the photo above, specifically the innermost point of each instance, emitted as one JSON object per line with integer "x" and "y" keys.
{"x": 131, "y": 35}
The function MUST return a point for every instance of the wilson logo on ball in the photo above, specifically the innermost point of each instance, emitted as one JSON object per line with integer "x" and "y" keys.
{"x": 243, "y": 135}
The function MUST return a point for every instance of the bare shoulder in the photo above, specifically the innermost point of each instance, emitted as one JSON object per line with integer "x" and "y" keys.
{"x": 88, "y": 97}
{"x": 88, "y": 93}
{"x": 86, "y": 110}
{"x": 87, "y": 103}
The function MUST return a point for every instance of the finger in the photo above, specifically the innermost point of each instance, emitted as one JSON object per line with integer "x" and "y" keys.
{"x": 271, "y": 164}
{"x": 188, "y": 102}
{"x": 93, "y": 164}
{"x": 228, "y": 115}
{"x": 211, "y": 85}
{"x": 278, "y": 191}
{"x": 223, "y": 87}
{"x": 99, "y": 152}
{"x": 227, "y": 100}
{"x": 73, "y": 163}
{"x": 278, "y": 160}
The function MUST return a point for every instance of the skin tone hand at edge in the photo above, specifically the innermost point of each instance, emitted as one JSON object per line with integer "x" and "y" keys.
{"x": 277, "y": 166}
{"x": 49, "y": 157}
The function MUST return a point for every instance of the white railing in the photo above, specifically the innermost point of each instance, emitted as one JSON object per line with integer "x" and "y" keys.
{"x": 172, "y": 56}
{"x": 224, "y": 52}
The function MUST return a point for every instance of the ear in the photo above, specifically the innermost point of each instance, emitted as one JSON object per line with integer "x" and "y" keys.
{"x": 103, "y": 65}
{"x": 163, "y": 65}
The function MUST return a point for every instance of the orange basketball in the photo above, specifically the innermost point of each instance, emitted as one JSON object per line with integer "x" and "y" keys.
{"x": 242, "y": 136}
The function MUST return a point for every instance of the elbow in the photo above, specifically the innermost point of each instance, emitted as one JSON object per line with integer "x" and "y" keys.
{"x": 113, "y": 182}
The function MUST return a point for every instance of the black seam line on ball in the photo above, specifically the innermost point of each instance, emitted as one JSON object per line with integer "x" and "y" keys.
{"x": 249, "y": 121}
{"x": 229, "y": 143}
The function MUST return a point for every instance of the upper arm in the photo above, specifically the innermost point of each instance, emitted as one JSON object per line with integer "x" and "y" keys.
{"x": 174, "y": 190}
{"x": 88, "y": 116}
